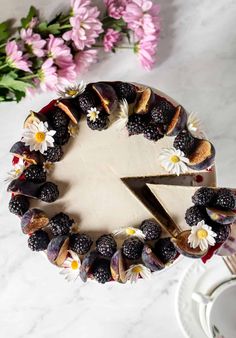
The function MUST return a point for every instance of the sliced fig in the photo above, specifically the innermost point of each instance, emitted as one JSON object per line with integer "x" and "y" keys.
{"x": 150, "y": 260}
{"x": 48, "y": 107}
{"x": 221, "y": 216}
{"x": 203, "y": 156}
{"x": 107, "y": 96}
{"x": 19, "y": 149}
{"x": 34, "y": 117}
{"x": 25, "y": 188}
{"x": 118, "y": 267}
{"x": 70, "y": 108}
{"x": 145, "y": 102}
{"x": 57, "y": 250}
{"x": 87, "y": 264}
{"x": 178, "y": 122}
{"x": 183, "y": 247}
{"x": 33, "y": 220}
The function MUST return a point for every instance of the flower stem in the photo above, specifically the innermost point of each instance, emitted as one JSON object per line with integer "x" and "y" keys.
{"x": 117, "y": 47}
{"x": 28, "y": 77}
{"x": 4, "y": 66}
{"x": 3, "y": 45}
{"x": 65, "y": 26}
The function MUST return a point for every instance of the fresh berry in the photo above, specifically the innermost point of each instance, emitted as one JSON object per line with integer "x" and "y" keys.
{"x": 126, "y": 91}
{"x": 87, "y": 101}
{"x": 106, "y": 245}
{"x": 195, "y": 214}
{"x": 203, "y": 196}
{"x": 60, "y": 224}
{"x": 162, "y": 112}
{"x": 80, "y": 243}
{"x": 35, "y": 173}
{"x": 136, "y": 124}
{"x": 152, "y": 133}
{"x": 54, "y": 154}
{"x": 132, "y": 248}
{"x": 18, "y": 205}
{"x": 165, "y": 250}
{"x": 100, "y": 123}
{"x": 48, "y": 192}
{"x": 222, "y": 232}
{"x": 62, "y": 136}
{"x": 225, "y": 199}
{"x": 38, "y": 241}
{"x": 185, "y": 142}
{"x": 151, "y": 229}
{"x": 101, "y": 271}
{"x": 58, "y": 119}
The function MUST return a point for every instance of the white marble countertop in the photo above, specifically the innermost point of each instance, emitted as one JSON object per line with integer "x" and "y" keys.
{"x": 196, "y": 67}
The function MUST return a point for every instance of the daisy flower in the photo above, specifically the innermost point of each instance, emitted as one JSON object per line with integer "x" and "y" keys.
{"x": 174, "y": 161}
{"x": 93, "y": 114}
{"x": 48, "y": 166}
{"x": 194, "y": 126}
{"x": 17, "y": 170}
{"x": 73, "y": 90}
{"x": 38, "y": 137}
{"x": 71, "y": 266}
{"x": 136, "y": 271}
{"x": 130, "y": 231}
{"x": 202, "y": 236}
{"x": 123, "y": 115}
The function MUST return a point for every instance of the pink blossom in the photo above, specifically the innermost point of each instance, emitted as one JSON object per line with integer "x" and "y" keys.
{"x": 76, "y": 5}
{"x": 47, "y": 76}
{"x": 66, "y": 75}
{"x": 110, "y": 40}
{"x": 115, "y": 8}
{"x": 33, "y": 41}
{"x": 146, "y": 50}
{"x": 86, "y": 27}
{"x": 59, "y": 51}
{"x": 84, "y": 59}
{"x": 15, "y": 57}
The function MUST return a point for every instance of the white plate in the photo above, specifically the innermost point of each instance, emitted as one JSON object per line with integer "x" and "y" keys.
{"x": 202, "y": 278}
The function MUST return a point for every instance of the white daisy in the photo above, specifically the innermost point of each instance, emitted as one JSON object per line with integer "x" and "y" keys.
{"x": 202, "y": 236}
{"x": 73, "y": 129}
{"x": 38, "y": 137}
{"x": 136, "y": 271}
{"x": 72, "y": 90}
{"x": 48, "y": 166}
{"x": 194, "y": 126}
{"x": 71, "y": 266}
{"x": 174, "y": 161}
{"x": 93, "y": 114}
{"x": 17, "y": 170}
{"x": 130, "y": 231}
{"x": 122, "y": 115}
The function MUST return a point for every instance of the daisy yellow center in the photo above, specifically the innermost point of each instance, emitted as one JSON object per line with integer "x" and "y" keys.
{"x": 39, "y": 136}
{"x": 74, "y": 265}
{"x": 202, "y": 233}
{"x": 18, "y": 171}
{"x": 136, "y": 269}
{"x": 71, "y": 92}
{"x": 175, "y": 159}
{"x": 93, "y": 115}
{"x": 130, "y": 231}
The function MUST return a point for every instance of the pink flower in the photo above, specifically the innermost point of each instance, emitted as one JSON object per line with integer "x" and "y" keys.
{"x": 33, "y": 41}
{"x": 47, "y": 76}
{"x": 115, "y": 8}
{"x": 76, "y": 5}
{"x": 86, "y": 26}
{"x": 84, "y": 59}
{"x": 66, "y": 75}
{"x": 146, "y": 50}
{"x": 15, "y": 58}
{"x": 110, "y": 40}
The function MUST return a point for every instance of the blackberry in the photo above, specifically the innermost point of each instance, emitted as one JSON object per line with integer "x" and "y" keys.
{"x": 195, "y": 214}
{"x": 60, "y": 224}
{"x": 80, "y": 243}
{"x": 132, "y": 248}
{"x": 222, "y": 232}
{"x": 203, "y": 196}
{"x": 38, "y": 241}
{"x": 62, "y": 136}
{"x": 152, "y": 133}
{"x": 54, "y": 154}
{"x": 100, "y": 123}
{"x": 48, "y": 192}
{"x": 126, "y": 91}
{"x": 87, "y": 101}
{"x": 185, "y": 142}
{"x": 163, "y": 111}
{"x": 106, "y": 245}
{"x": 35, "y": 173}
{"x": 58, "y": 119}
{"x": 165, "y": 250}
{"x": 151, "y": 229}
{"x": 225, "y": 199}
{"x": 101, "y": 271}
{"x": 18, "y": 205}
{"x": 136, "y": 124}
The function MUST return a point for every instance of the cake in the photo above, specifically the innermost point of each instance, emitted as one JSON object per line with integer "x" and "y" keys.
{"x": 104, "y": 179}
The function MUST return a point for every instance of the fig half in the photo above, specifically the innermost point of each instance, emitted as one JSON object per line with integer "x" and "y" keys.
{"x": 150, "y": 260}
{"x": 118, "y": 267}
{"x": 57, "y": 250}
{"x": 20, "y": 150}
{"x": 107, "y": 96}
{"x": 70, "y": 109}
{"x": 33, "y": 220}
{"x": 145, "y": 102}
{"x": 178, "y": 122}
{"x": 203, "y": 155}
{"x": 221, "y": 216}
{"x": 182, "y": 246}
{"x": 25, "y": 188}
{"x": 87, "y": 264}
{"x": 34, "y": 117}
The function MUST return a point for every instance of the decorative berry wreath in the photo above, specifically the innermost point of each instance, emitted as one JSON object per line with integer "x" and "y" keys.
{"x": 140, "y": 111}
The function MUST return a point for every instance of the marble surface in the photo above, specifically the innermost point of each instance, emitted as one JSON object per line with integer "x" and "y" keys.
{"x": 196, "y": 66}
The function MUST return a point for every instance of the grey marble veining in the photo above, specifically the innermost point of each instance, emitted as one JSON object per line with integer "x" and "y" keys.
{"x": 197, "y": 67}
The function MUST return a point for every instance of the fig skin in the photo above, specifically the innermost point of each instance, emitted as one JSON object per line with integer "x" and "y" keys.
{"x": 203, "y": 156}
{"x": 25, "y": 188}
{"x": 118, "y": 267}
{"x": 58, "y": 249}
{"x": 178, "y": 122}
{"x": 32, "y": 117}
{"x": 70, "y": 109}
{"x": 221, "y": 216}
{"x": 145, "y": 102}
{"x": 182, "y": 246}
{"x": 33, "y": 220}
{"x": 20, "y": 150}
{"x": 87, "y": 264}
{"x": 107, "y": 95}
{"x": 150, "y": 260}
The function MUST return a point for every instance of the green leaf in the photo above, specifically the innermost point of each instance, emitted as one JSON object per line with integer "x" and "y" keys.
{"x": 19, "y": 95}
{"x": 10, "y": 82}
{"x": 44, "y": 28}
{"x": 32, "y": 13}
{"x": 4, "y": 31}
